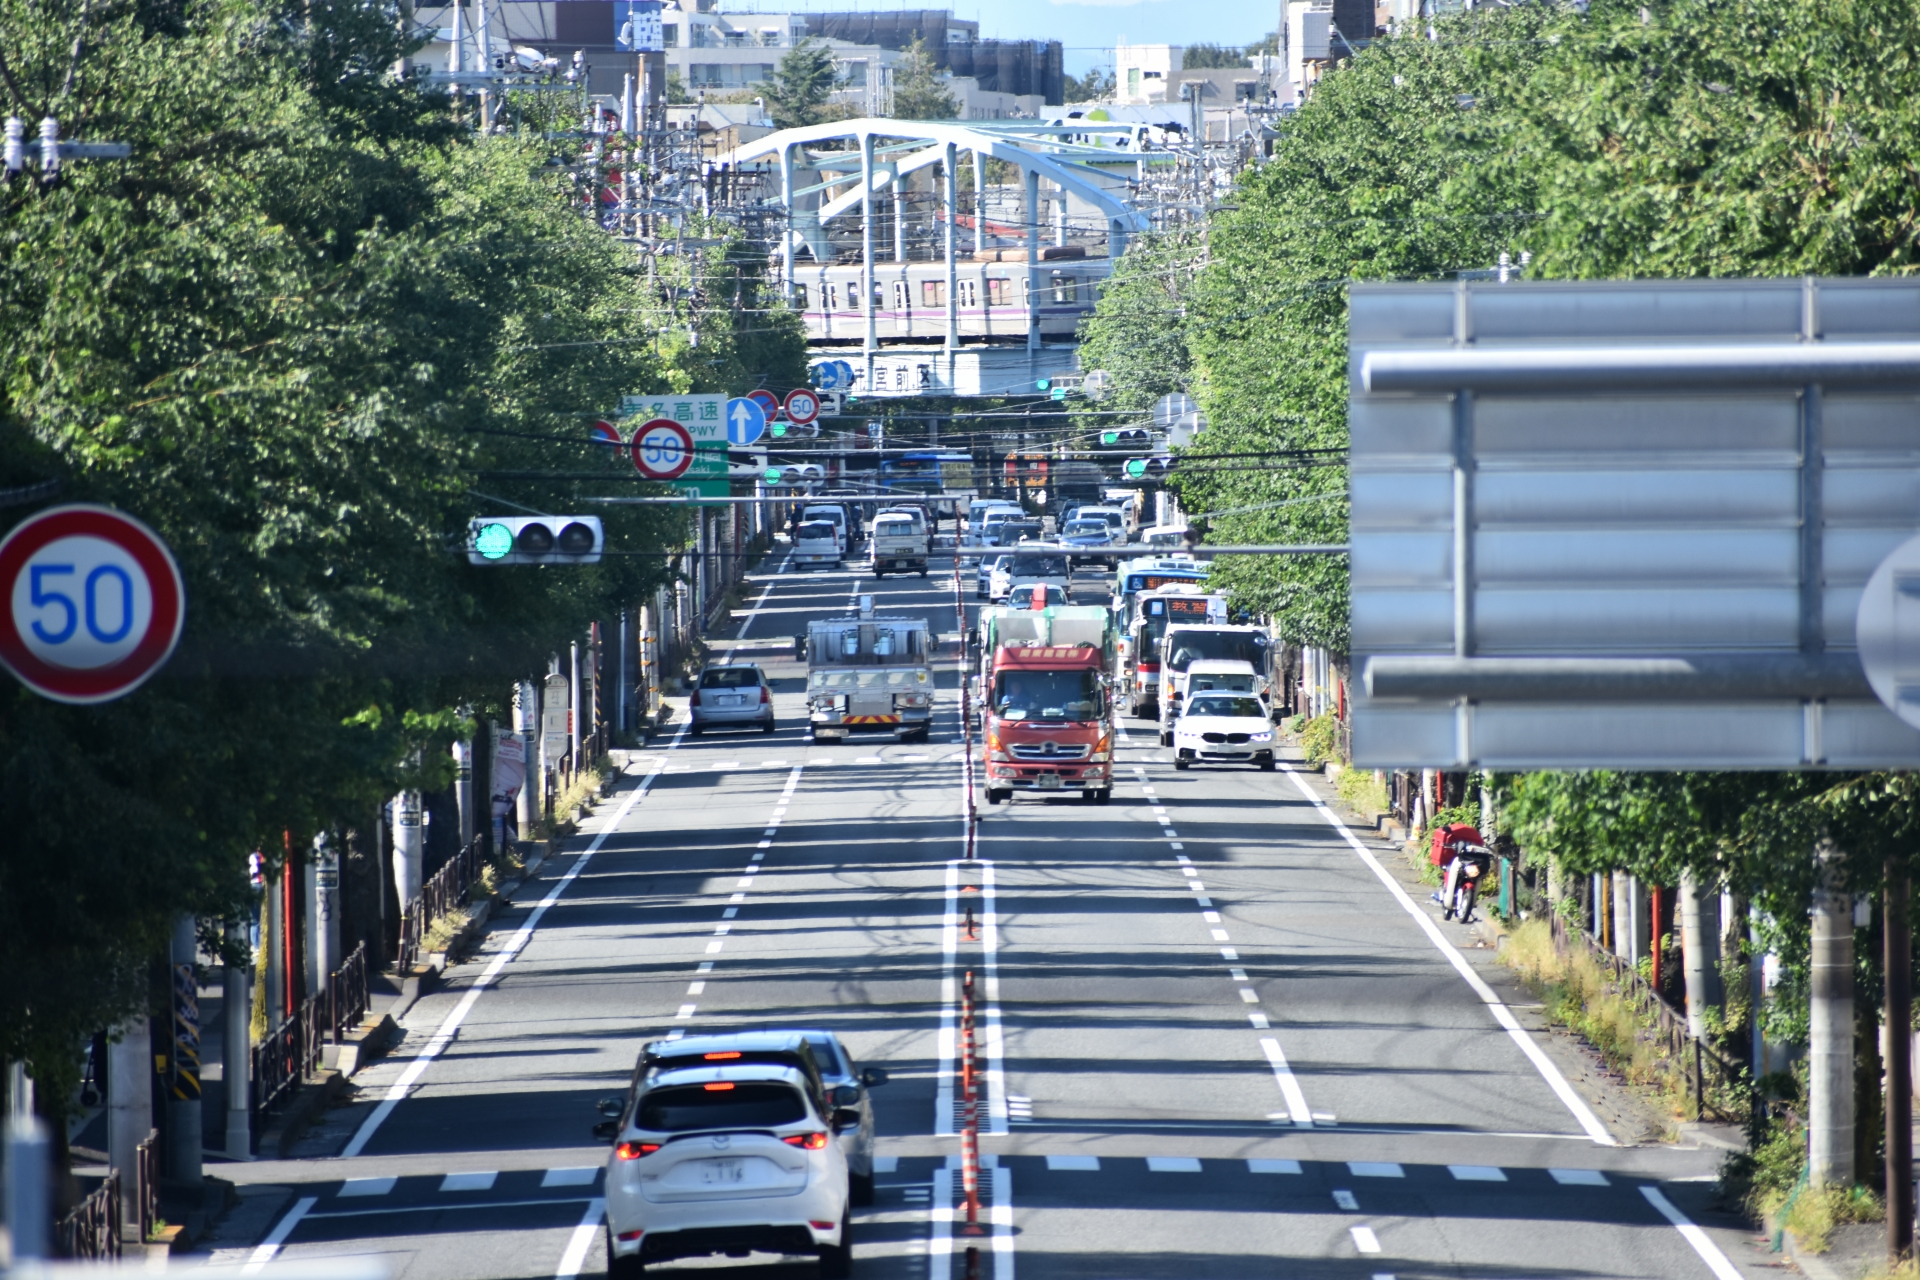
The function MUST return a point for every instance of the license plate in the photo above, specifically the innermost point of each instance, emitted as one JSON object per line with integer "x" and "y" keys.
{"x": 723, "y": 1172}
{"x": 731, "y": 700}
{"x": 1049, "y": 782}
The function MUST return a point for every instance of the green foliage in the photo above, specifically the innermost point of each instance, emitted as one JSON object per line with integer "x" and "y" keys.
{"x": 801, "y": 84}
{"x": 1362, "y": 790}
{"x": 295, "y": 333}
{"x": 1202, "y": 57}
{"x": 1138, "y": 330}
{"x": 1095, "y": 86}
{"x": 1320, "y": 739}
{"x": 920, "y": 89}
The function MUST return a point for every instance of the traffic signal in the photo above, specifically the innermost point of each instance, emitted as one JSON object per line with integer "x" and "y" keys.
{"x": 1128, "y": 438}
{"x": 535, "y": 540}
{"x": 1148, "y": 468}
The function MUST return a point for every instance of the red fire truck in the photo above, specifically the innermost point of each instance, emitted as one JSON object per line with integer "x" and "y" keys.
{"x": 1049, "y": 722}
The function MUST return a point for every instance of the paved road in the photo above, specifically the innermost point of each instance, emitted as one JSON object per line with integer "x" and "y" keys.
{"x": 1221, "y": 1039}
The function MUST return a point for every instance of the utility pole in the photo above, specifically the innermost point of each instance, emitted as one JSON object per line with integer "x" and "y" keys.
{"x": 1898, "y": 928}
{"x": 573, "y": 710}
{"x": 129, "y": 1115}
{"x": 323, "y": 942}
{"x": 463, "y": 784}
{"x": 408, "y": 850}
{"x": 236, "y": 1056}
{"x": 1699, "y": 930}
{"x": 526, "y": 715}
{"x": 183, "y": 1102}
{"x": 1830, "y": 1033}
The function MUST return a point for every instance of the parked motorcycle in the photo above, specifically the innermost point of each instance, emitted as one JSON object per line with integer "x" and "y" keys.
{"x": 1465, "y": 869}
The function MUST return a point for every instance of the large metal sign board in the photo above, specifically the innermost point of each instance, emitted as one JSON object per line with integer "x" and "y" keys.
{"x": 1628, "y": 524}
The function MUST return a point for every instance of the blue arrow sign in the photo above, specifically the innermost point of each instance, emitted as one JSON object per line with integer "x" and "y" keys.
{"x": 746, "y": 421}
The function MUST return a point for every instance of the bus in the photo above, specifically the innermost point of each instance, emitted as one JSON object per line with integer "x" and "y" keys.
{"x": 928, "y": 472}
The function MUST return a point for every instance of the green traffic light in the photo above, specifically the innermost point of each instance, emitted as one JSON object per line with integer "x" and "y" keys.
{"x": 1043, "y": 383}
{"x": 779, "y": 429}
{"x": 1136, "y": 468}
{"x": 771, "y": 475}
{"x": 494, "y": 541}
{"x": 1109, "y": 437}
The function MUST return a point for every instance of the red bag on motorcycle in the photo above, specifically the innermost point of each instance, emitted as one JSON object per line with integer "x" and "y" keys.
{"x": 1452, "y": 833}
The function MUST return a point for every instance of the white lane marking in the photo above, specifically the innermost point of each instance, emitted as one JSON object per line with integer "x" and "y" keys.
{"x": 278, "y": 1236}
{"x": 1364, "y": 1240}
{"x": 1273, "y": 1166}
{"x": 1220, "y": 935}
{"x": 713, "y": 948}
{"x": 1323, "y": 1117}
{"x": 470, "y": 1206}
{"x": 940, "y": 1215}
{"x": 686, "y": 1011}
{"x": 946, "y": 1042}
{"x": 1501, "y": 1014}
{"x": 1375, "y": 1169}
{"x": 867, "y": 760}
{"x": 367, "y": 1186}
{"x": 438, "y": 1042}
{"x": 722, "y": 930}
{"x": 1579, "y": 1177}
{"x": 1249, "y": 996}
{"x": 887, "y": 1164}
{"x": 1173, "y": 1164}
{"x": 1211, "y": 917}
{"x": 731, "y": 912}
{"x": 581, "y": 1177}
{"x": 1345, "y": 1200}
{"x": 1228, "y": 953}
{"x": 1188, "y": 871}
{"x": 1259, "y": 1021}
{"x": 477, "y": 1181}
{"x": 706, "y": 966}
{"x": 1002, "y": 1183}
{"x": 1717, "y": 1262}
{"x": 1085, "y": 1164}
{"x": 996, "y": 1075}
{"x": 696, "y": 988}
{"x": 1297, "y": 1109}
{"x": 1477, "y": 1173}
{"x": 1238, "y": 975}
{"x": 583, "y": 1235}
{"x": 764, "y": 593}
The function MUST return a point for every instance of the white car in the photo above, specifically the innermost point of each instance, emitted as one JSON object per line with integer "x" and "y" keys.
{"x": 1228, "y": 727}
{"x": 985, "y": 582}
{"x": 729, "y": 1160}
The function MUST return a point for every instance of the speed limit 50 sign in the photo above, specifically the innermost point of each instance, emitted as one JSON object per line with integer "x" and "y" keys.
{"x": 95, "y": 603}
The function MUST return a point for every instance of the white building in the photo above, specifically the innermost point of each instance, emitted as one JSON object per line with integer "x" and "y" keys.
{"x": 1141, "y": 72}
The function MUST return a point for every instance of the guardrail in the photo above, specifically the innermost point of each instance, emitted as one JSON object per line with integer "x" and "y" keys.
{"x": 1704, "y": 1069}
{"x": 91, "y": 1232}
{"x": 147, "y": 1184}
{"x": 347, "y": 994}
{"x": 447, "y": 890}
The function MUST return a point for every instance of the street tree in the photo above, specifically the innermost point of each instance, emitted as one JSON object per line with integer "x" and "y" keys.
{"x": 802, "y": 83}
{"x": 920, "y": 89}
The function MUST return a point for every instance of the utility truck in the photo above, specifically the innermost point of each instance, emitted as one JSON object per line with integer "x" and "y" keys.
{"x": 869, "y": 675}
{"x": 1046, "y": 708}
{"x": 1185, "y": 644}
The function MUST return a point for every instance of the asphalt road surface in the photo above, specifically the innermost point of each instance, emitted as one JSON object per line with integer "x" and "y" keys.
{"x": 1222, "y": 1038}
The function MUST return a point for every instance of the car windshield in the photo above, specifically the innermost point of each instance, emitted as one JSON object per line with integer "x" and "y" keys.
{"x": 1215, "y": 705}
{"x": 871, "y": 679}
{"x": 1047, "y": 695}
{"x": 1189, "y": 647}
{"x": 1039, "y": 566}
{"x": 818, "y": 531}
{"x": 1079, "y": 527}
{"x": 730, "y": 678}
{"x": 1225, "y": 681}
{"x": 747, "y": 1104}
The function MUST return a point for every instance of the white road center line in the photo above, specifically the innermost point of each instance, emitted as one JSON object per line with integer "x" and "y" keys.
{"x": 576, "y": 1255}
{"x": 1504, "y": 1016}
{"x": 278, "y": 1236}
{"x": 1297, "y": 1109}
{"x": 1717, "y": 1262}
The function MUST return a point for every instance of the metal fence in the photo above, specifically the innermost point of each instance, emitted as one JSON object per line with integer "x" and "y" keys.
{"x": 91, "y": 1233}
{"x": 447, "y": 890}
{"x": 347, "y": 994}
{"x": 288, "y": 1055}
{"x": 1709, "y": 1076}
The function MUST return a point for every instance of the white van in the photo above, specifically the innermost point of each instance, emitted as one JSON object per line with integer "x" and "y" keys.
{"x": 818, "y": 545}
{"x": 836, "y": 516}
{"x": 919, "y": 517}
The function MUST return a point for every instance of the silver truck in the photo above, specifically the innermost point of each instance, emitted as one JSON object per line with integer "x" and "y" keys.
{"x": 897, "y": 546}
{"x": 869, "y": 675}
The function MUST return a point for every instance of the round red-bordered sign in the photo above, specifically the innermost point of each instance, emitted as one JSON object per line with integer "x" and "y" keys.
{"x": 803, "y": 405}
{"x": 94, "y": 603}
{"x": 769, "y": 403}
{"x": 662, "y": 450}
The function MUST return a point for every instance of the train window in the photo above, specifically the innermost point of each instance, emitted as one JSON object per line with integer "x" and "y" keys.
{"x": 899, "y": 295}
{"x": 800, "y": 297}
{"x": 1065, "y": 288}
{"x": 933, "y": 293}
{"x": 969, "y": 294}
{"x": 997, "y": 291}
{"x": 831, "y": 298}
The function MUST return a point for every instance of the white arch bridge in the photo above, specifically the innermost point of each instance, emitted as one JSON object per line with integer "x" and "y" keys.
{"x": 831, "y": 177}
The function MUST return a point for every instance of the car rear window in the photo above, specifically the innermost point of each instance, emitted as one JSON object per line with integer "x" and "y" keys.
{"x": 736, "y": 678}
{"x": 1039, "y": 566}
{"x": 744, "y": 1104}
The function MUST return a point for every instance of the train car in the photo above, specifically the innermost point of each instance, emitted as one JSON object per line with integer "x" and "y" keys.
{"x": 910, "y": 298}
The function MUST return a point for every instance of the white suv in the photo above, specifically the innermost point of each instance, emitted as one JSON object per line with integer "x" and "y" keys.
{"x": 731, "y": 1158}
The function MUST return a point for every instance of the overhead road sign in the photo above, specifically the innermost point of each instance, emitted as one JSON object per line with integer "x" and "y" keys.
{"x": 662, "y": 449}
{"x": 604, "y": 432}
{"x": 96, "y": 603}
{"x": 1628, "y": 524}
{"x": 769, "y": 403}
{"x": 746, "y": 420}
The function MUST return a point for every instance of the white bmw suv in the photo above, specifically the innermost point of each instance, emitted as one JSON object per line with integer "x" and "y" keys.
{"x": 733, "y": 1158}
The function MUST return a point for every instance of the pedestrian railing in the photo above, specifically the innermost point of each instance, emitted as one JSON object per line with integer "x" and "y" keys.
{"x": 91, "y": 1232}
{"x": 1711, "y": 1079}
{"x": 447, "y": 890}
{"x": 147, "y": 1184}
{"x": 347, "y": 994}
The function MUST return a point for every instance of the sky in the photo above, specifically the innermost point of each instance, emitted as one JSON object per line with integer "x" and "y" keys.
{"x": 1088, "y": 29}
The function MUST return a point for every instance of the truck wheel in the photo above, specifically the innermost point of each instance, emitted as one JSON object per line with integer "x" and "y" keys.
{"x": 879, "y": 573}
{"x": 994, "y": 796}
{"x": 1181, "y": 762}
{"x": 1105, "y": 794}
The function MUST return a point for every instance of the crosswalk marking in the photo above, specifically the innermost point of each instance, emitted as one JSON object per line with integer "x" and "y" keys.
{"x": 582, "y": 1177}
{"x": 368, "y": 1186}
{"x": 479, "y": 1181}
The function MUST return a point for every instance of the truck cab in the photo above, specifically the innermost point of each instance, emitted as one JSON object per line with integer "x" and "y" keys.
{"x": 1185, "y": 644}
{"x": 869, "y": 675}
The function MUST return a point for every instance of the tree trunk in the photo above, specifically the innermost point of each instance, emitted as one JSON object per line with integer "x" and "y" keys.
{"x": 1700, "y": 950}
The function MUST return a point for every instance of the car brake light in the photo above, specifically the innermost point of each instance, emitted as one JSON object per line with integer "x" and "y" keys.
{"x": 818, "y": 1225}
{"x": 766, "y": 695}
{"x": 715, "y": 1057}
{"x": 625, "y": 1236}
{"x": 807, "y": 1141}
{"x": 718, "y": 1088}
{"x": 634, "y": 1150}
